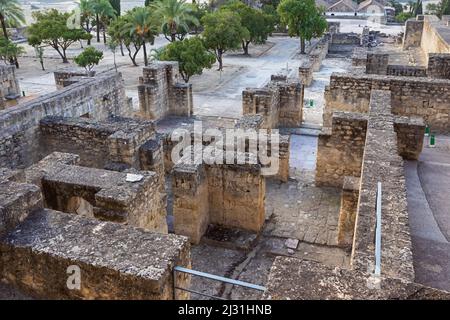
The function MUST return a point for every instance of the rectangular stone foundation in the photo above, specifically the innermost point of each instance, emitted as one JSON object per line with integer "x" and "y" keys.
{"x": 115, "y": 261}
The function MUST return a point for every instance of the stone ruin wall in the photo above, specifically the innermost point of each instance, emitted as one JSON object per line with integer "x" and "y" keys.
{"x": 314, "y": 61}
{"x": 99, "y": 98}
{"x": 413, "y": 34}
{"x": 227, "y": 195}
{"x": 62, "y": 77}
{"x": 40, "y": 244}
{"x": 280, "y": 103}
{"x": 411, "y": 96}
{"x": 161, "y": 94}
{"x": 9, "y": 85}
{"x": 291, "y": 278}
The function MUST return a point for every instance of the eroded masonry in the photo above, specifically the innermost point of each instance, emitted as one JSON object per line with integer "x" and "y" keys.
{"x": 88, "y": 183}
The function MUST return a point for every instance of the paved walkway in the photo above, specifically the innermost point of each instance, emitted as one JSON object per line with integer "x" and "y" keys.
{"x": 428, "y": 188}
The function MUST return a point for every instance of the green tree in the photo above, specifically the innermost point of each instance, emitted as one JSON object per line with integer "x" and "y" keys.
{"x": 51, "y": 29}
{"x": 40, "y": 55}
{"x": 303, "y": 19}
{"x": 255, "y": 21}
{"x": 104, "y": 12}
{"x": 119, "y": 31}
{"x": 87, "y": 16}
{"x": 223, "y": 31}
{"x": 191, "y": 54}
{"x": 397, "y": 6}
{"x": 89, "y": 58}
{"x": 9, "y": 51}
{"x": 116, "y": 5}
{"x": 143, "y": 26}
{"x": 439, "y": 9}
{"x": 11, "y": 14}
{"x": 403, "y": 16}
{"x": 175, "y": 16}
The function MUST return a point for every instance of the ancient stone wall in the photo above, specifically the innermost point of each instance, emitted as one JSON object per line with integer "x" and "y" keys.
{"x": 434, "y": 38}
{"x": 227, "y": 195}
{"x": 99, "y": 98}
{"x": 377, "y": 63}
{"x": 9, "y": 85}
{"x": 161, "y": 94}
{"x": 347, "y": 211}
{"x": 406, "y": 71}
{"x": 344, "y": 43}
{"x": 115, "y": 261}
{"x": 280, "y": 103}
{"x": 410, "y": 96}
{"x": 413, "y": 34}
{"x": 439, "y": 65}
{"x": 62, "y": 75}
{"x": 340, "y": 149}
{"x": 313, "y": 61}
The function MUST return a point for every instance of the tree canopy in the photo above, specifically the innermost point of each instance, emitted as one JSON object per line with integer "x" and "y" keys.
{"x": 191, "y": 54}
{"x": 223, "y": 31}
{"x": 89, "y": 58}
{"x": 258, "y": 24}
{"x": 11, "y": 15}
{"x": 51, "y": 29}
{"x": 303, "y": 19}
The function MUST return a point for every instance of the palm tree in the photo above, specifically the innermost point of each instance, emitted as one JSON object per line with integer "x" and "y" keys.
{"x": 87, "y": 14}
{"x": 11, "y": 14}
{"x": 144, "y": 26}
{"x": 103, "y": 13}
{"x": 175, "y": 16}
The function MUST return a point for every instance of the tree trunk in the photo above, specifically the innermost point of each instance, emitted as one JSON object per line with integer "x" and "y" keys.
{"x": 245, "y": 47}
{"x": 42, "y": 65}
{"x": 173, "y": 37}
{"x": 2, "y": 20}
{"x": 16, "y": 62}
{"x": 302, "y": 45}
{"x": 219, "y": 59}
{"x": 104, "y": 35}
{"x": 88, "y": 31}
{"x": 145, "y": 53}
{"x": 64, "y": 56}
{"x": 97, "y": 22}
{"x": 121, "y": 49}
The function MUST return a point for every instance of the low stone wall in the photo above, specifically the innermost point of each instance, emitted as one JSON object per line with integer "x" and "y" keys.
{"x": 112, "y": 143}
{"x": 314, "y": 61}
{"x": 439, "y": 65}
{"x": 359, "y": 57}
{"x": 344, "y": 43}
{"x": 280, "y": 103}
{"x": 62, "y": 75}
{"x": 9, "y": 85}
{"x": 114, "y": 261}
{"x": 160, "y": 93}
{"x": 413, "y": 34}
{"x": 410, "y": 96}
{"x": 227, "y": 195}
{"x": 291, "y": 278}
{"x": 406, "y": 71}
{"x": 99, "y": 98}
{"x": 347, "y": 211}
{"x": 103, "y": 194}
{"x": 340, "y": 150}
{"x": 377, "y": 63}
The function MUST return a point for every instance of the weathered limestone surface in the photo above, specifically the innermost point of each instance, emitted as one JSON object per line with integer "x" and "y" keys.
{"x": 61, "y": 76}
{"x": 280, "y": 103}
{"x": 340, "y": 149}
{"x": 9, "y": 85}
{"x": 161, "y": 94}
{"x": 296, "y": 279}
{"x": 413, "y": 34}
{"x": 17, "y": 199}
{"x": 439, "y": 65}
{"x": 410, "y": 132}
{"x": 113, "y": 142}
{"x": 410, "y": 96}
{"x": 344, "y": 42}
{"x": 99, "y": 97}
{"x": 377, "y": 63}
{"x": 115, "y": 261}
{"x": 347, "y": 213}
{"x": 315, "y": 57}
{"x": 227, "y": 195}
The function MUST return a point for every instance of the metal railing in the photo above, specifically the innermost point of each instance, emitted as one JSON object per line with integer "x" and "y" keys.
{"x": 377, "y": 271}
{"x": 211, "y": 277}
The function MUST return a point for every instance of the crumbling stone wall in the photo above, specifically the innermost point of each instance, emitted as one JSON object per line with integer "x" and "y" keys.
{"x": 226, "y": 195}
{"x": 343, "y": 43}
{"x": 347, "y": 211}
{"x": 9, "y": 85}
{"x": 160, "y": 93}
{"x": 115, "y": 261}
{"x": 313, "y": 61}
{"x": 413, "y": 34}
{"x": 99, "y": 97}
{"x": 439, "y": 65}
{"x": 280, "y": 103}
{"x": 61, "y": 76}
{"x": 410, "y": 96}
{"x": 406, "y": 71}
{"x": 435, "y": 37}
{"x": 101, "y": 194}
{"x": 377, "y": 63}
{"x": 340, "y": 149}
{"x": 292, "y": 278}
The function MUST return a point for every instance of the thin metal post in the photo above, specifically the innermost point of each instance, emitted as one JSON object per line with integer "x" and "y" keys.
{"x": 378, "y": 233}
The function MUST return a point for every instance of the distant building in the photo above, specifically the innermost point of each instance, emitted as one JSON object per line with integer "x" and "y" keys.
{"x": 342, "y": 8}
